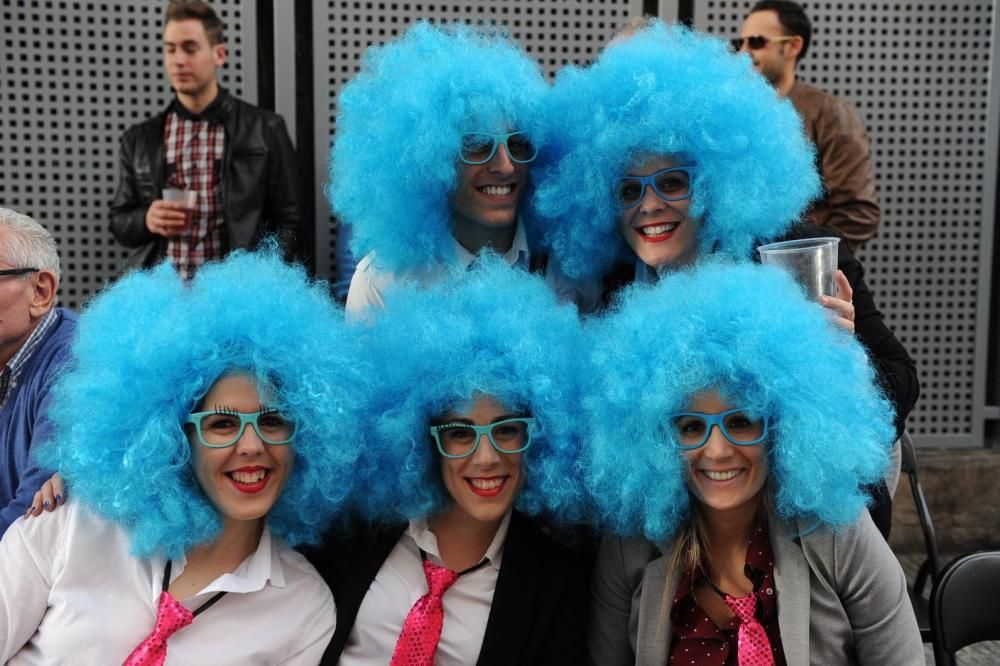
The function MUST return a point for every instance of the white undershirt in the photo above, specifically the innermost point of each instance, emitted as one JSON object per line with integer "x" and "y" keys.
{"x": 401, "y": 582}
{"x": 70, "y": 593}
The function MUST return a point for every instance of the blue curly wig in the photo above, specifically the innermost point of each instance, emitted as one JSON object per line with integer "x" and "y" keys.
{"x": 749, "y": 332}
{"x": 400, "y": 121}
{"x": 150, "y": 347}
{"x": 668, "y": 90}
{"x": 492, "y": 330}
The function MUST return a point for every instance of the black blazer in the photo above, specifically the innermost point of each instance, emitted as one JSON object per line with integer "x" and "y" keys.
{"x": 539, "y": 610}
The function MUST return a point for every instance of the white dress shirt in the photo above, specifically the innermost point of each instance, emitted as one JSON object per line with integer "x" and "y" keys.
{"x": 70, "y": 593}
{"x": 401, "y": 582}
{"x": 369, "y": 283}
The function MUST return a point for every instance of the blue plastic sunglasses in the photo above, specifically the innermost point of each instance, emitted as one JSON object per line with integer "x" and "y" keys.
{"x": 221, "y": 429}
{"x": 670, "y": 184}
{"x": 480, "y": 147}
{"x": 692, "y": 429}
{"x": 461, "y": 440}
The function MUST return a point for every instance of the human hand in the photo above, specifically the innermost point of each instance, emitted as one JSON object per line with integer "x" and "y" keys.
{"x": 166, "y": 218}
{"x": 841, "y": 305}
{"x": 49, "y": 496}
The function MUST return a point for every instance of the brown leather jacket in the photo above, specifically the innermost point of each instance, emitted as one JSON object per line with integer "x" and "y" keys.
{"x": 260, "y": 182}
{"x": 849, "y": 203}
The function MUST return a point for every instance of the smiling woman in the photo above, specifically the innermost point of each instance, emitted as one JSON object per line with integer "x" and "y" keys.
{"x": 738, "y": 504}
{"x": 195, "y": 422}
{"x": 472, "y": 431}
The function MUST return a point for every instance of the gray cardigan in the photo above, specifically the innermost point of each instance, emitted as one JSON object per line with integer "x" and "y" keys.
{"x": 841, "y": 600}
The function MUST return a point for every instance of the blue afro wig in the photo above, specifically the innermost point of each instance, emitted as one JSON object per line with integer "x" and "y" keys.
{"x": 670, "y": 91}
{"x": 399, "y": 124}
{"x": 151, "y": 346}
{"x": 494, "y": 331}
{"x": 748, "y": 332}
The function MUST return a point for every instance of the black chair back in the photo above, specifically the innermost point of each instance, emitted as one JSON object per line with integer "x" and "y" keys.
{"x": 931, "y": 566}
{"x": 965, "y": 605}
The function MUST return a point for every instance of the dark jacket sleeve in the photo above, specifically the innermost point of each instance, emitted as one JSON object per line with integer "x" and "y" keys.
{"x": 896, "y": 370}
{"x": 129, "y": 206}
{"x": 284, "y": 197}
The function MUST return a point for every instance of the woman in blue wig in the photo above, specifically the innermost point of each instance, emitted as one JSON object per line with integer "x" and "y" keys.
{"x": 472, "y": 431}
{"x": 202, "y": 431}
{"x": 430, "y": 164}
{"x": 669, "y": 150}
{"x": 752, "y": 424}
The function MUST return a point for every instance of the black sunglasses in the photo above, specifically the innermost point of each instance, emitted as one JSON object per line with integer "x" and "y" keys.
{"x": 757, "y": 42}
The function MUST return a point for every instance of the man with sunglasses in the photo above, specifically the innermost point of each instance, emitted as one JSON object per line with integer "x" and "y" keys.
{"x": 776, "y": 35}
{"x": 34, "y": 344}
{"x": 435, "y": 138}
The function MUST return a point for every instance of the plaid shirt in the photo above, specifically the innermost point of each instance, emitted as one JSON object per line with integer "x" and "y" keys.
{"x": 193, "y": 147}
{"x": 12, "y": 371}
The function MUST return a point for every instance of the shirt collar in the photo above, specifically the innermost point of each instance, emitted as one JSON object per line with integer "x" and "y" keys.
{"x": 215, "y": 112}
{"x": 254, "y": 573}
{"x": 518, "y": 254}
{"x": 427, "y": 541}
{"x": 15, "y": 366}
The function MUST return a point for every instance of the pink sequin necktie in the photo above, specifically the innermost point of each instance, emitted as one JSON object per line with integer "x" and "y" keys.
{"x": 171, "y": 617}
{"x": 418, "y": 641}
{"x": 753, "y": 647}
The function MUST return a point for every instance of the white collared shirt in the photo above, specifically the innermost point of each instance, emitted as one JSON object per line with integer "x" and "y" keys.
{"x": 70, "y": 593}
{"x": 401, "y": 582}
{"x": 369, "y": 283}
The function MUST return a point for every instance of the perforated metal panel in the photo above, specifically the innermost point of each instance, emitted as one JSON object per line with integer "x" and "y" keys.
{"x": 920, "y": 75}
{"x": 556, "y": 33}
{"x": 73, "y": 77}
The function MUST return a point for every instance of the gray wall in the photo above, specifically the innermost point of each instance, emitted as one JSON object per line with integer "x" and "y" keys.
{"x": 920, "y": 75}
{"x": 73, "y": 77}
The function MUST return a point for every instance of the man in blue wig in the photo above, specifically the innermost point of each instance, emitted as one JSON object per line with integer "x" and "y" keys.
{"x": 430, "y": 165}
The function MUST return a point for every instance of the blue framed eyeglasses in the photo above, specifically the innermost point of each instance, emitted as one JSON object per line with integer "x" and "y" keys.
{"x": 461, "y": 440}
{"x": 480, "y": 147}
{"x": 692, "y": 429}
{"x": 671, "y": 184}
{"x": 221, "y": 429}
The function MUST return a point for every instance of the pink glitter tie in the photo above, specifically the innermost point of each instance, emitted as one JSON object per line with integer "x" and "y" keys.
{"x": 418, "y": 641}
{"x": 171, "y": 617}
{"x": 752, "y": 644}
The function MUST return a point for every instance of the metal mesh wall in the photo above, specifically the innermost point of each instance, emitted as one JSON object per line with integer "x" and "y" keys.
{"x": 556, "y": 33}
{"x": 920, "y": 75}
{"x": 74, "y": 76}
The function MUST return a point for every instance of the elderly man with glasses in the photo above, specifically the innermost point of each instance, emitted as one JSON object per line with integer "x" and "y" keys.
{"x": 34, "y": 343}
{"x": 776, "y": 35}
{"x": 435, "y": 137}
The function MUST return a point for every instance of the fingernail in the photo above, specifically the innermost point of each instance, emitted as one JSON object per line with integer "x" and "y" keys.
{"x": 45, "y": 504}
{"x": 58, "y": 499}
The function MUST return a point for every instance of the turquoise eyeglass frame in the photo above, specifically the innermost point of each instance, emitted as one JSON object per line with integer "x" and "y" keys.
{"x": 196, "y": 418}
{"x": 650, "y": 181}
{"x": 497, "y": 140}
{"x": 716, "y": 420}
{"x": 480, "y": 431}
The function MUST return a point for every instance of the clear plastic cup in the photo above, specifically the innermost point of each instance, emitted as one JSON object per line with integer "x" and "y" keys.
{"x": 811, "y": 261}
{"x": 187, "y": 198}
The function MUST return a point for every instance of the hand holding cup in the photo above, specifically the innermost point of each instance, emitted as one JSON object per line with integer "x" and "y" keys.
{"x": 170, "y": 215}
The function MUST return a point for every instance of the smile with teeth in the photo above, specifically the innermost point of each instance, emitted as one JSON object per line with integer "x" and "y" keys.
{"x": 497, "y": 190}
{"x": 653, "y": 230}
{"x": 487, "y": 486}
{"x": 722, "y": 476}
{"x": 248, "y": 477}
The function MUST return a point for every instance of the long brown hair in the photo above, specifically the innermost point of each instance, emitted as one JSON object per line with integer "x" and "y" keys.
{"x": 689, "y": 549}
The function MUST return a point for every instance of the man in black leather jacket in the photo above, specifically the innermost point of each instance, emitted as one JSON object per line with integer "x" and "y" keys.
{"x": 238, "y": 160}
